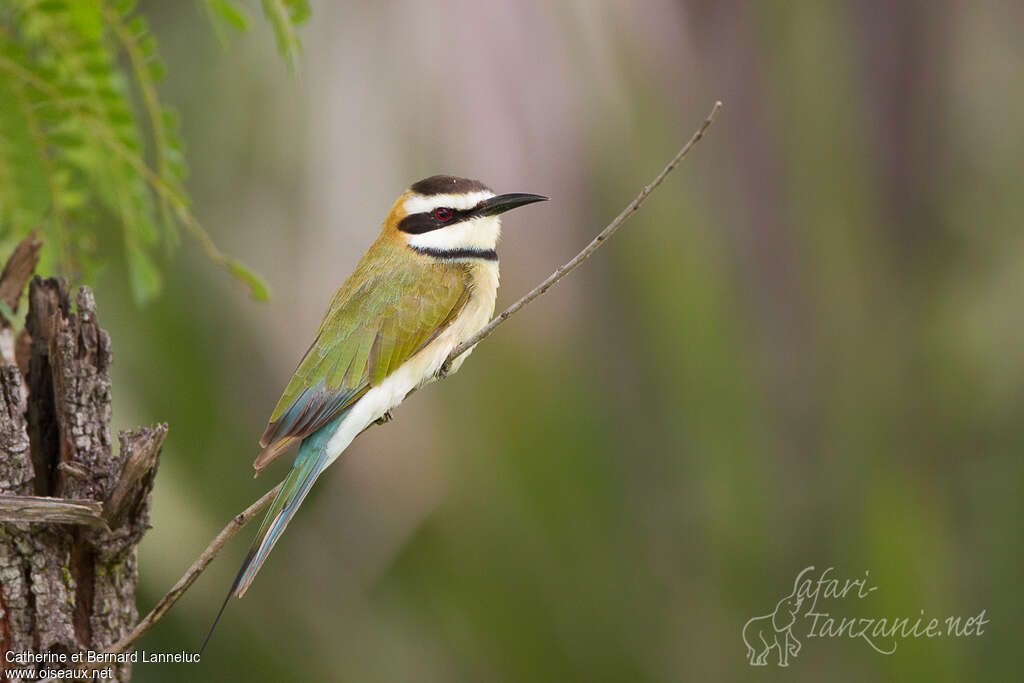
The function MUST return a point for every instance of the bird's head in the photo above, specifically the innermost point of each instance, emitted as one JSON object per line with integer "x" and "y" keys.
{"x": 449, "y": 217}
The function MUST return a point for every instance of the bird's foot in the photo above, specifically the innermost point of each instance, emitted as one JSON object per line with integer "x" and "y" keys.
{"x": 385, "y": 418}
{"x": 443, "y": 371}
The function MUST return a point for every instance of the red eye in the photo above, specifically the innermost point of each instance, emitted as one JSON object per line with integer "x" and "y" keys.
{"x": 442, "y": 214}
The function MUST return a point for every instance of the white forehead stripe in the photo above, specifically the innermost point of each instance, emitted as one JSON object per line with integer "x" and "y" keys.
{"x": 419, "y": 203}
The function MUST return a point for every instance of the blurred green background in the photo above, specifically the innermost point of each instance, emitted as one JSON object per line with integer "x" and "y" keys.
{"x": 806, "y": 349}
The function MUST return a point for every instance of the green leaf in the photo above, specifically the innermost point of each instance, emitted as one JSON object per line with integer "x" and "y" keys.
{"x": 136, "y": 26}
{"x": 258, "y": 289}
{"x": 299, "y": 10}
{"x": 145, "y": 278}
{"x": 284, "y": 15}
{"x": 124, "y": 6}
{"x": 66, "y": 139}
{"x": 157, "y": 70}
{"x": 231, "y": 14}
{"x": 97, "y": 67}
{"x": 147, "y": 45}
{"x": 51, "y": 6}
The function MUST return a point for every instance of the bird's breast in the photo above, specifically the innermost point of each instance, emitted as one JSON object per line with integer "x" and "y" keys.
{"x": 422, "y": 367}
{"x": 476, "y": 313}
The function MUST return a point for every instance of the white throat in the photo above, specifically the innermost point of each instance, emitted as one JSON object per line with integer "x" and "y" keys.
{"x": 477, "y": 233}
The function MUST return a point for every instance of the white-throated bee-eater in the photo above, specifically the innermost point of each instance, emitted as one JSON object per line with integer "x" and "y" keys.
{"x": 426, "y": 284}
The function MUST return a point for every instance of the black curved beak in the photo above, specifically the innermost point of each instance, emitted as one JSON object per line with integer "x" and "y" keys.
{"x": 506, "y": 202}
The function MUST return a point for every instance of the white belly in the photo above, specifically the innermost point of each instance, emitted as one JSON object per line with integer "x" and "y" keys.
{"x": 421, "y": 368}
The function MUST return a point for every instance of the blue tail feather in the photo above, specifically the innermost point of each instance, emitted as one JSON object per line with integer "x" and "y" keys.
{"x": 309, "y": 463}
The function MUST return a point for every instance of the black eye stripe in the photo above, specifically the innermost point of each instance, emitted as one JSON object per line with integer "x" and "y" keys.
{"x": 419, "y": 223}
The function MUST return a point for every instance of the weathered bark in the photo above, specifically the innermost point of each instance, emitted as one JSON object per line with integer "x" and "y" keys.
{"x": 67, "y": 587}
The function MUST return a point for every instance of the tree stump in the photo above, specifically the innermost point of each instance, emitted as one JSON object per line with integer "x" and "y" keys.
{"x": 71, "y": 510}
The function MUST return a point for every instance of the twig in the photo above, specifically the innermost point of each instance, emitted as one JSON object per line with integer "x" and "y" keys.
{"x": 579, "y": 258}
{"x": 18, "y": 271}
{"x": 52, "y": 511}
{"x": 140, "y": 451}
{"x": 245, "y": 517}
{"x": 16, "y": 274}
{"x": 233, "y": 527}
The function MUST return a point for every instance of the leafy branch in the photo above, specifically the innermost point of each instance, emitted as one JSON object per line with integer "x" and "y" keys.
{"x": 88, "y": 142}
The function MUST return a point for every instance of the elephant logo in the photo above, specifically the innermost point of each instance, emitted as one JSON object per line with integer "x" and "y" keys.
{"x": 774, "y": 631}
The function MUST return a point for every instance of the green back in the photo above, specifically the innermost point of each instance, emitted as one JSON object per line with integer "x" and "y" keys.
{"x": 392, "y": 305}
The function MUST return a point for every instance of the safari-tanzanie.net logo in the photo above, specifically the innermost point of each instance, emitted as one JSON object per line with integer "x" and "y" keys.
{"x": 807, "y": 613}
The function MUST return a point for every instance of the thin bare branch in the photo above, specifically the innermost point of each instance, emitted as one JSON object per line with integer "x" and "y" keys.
{"x": 246, "y": 516}
{"x": 185, "y": 582}
{"x": 579, "y": 258}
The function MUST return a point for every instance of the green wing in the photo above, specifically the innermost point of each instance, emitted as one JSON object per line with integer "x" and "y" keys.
{"x": 387, "y": 310}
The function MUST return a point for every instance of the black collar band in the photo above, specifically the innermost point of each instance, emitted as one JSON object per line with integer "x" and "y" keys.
{"x": 464, "y": 252}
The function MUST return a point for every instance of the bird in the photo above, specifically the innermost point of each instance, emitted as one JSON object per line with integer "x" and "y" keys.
{"x": 426, "y": 284}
